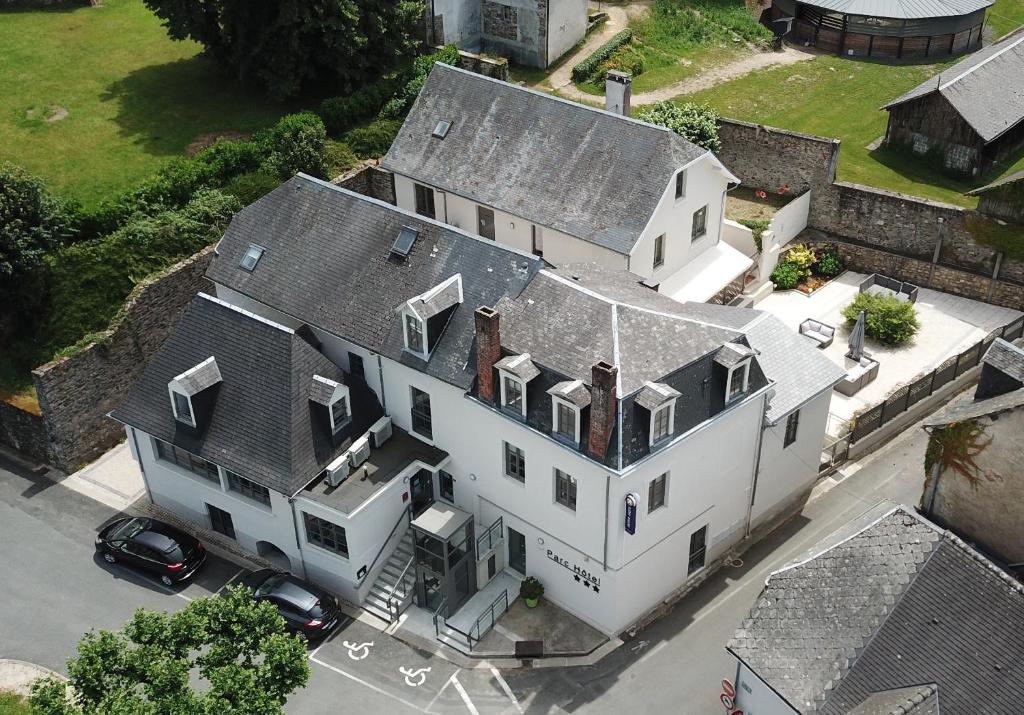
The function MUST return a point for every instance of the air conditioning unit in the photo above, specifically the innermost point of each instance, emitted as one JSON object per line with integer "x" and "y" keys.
{"x": 380, "y": 431}
{"x": 338, "y": 470}
{"x": 359, "y": 451}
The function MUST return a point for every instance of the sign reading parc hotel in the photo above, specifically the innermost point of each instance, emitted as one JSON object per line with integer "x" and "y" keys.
{"x": 632, "y": 500}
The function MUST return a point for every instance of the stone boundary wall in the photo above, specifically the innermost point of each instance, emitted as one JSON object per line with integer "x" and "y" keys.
{"x": 771, "y": 159}
{"x": 496, "y": 67}
{"x": 369, "y": 179}
{"x": 24, "y": 431}
{"x": 76, "y": 392}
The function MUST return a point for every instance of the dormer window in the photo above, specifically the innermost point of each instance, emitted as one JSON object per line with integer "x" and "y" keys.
{"x": 659, "y": 400}
{"x": 340, "y": 415}
{"x": 515, "y": 371}
{"x": 738, "y": 380}
{"x": 567, "y": 399}
{"x": 333, "y": 396}
{"x": 735, "y": 358}
{"x": 183, "y": 408}
{"x": 413, "y": 333}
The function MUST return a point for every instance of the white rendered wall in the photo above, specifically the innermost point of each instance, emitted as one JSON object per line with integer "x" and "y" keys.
{"x": 786, "y": 473}
{"x": 567, "y": 24}
{"x": 705, "y": 186}
{"x": 461, "y": 21}
{"x": 754, "y": 697}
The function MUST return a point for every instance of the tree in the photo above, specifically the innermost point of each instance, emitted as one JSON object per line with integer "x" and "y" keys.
{"x": 248, "y": 665}
{"x": 32, "y": 223}
{"x": 299, "y": 144}
{"x": 288, "y": 45}
{"x": 696, "y": 122}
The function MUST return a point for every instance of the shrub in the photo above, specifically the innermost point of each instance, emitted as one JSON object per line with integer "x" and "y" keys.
{"x": 886, "y": 318}
{"x": 374, "y": 139}
{"x": 399, "y": 105}
{"x": 248, "y": 188}
{"x": 803, "y": 257}
{"x": 585, "y": 69}
{"x": 227, "y": 159}
{"x": 757, "y": 227}
{"x": 339, "y": 157}
{"x": 531, "y": 588}
{"x": 696, "y": 122}
{"x": 625, "y": 59}
{"x": 786, "y": 275}
{"x": 342, "y": 113}
{"x": 31, "y": 223}
{"x": 829, "y": 264}
{"x": 297, "y": 144}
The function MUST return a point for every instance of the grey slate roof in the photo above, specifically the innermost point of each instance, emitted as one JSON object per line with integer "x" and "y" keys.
{"x": 441, "y": 301}
{"x": 328, "y": 263}
{"x": 321, "y": 390}
{"x": 583, "y": 171}
{"x": 572, "y": 390}
{"x": 987, "y": 88}
{"x": 916, "y": 700}
{"x": 1009, "y": 179}
{"x": 260, "y": 425}
{"x": 198, "y": 378}
{"x": 972, "y": 409}
{"x": 898, "y": 605}
{"x": 655, "y": 394}
{"x": 732, "y": 354}
{"x": 903, "y": 9}
{"x": 519, "y": 365}
{"x": 1007, "y": 357}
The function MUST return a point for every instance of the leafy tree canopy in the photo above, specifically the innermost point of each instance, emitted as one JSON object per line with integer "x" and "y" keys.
{"x": 288, "y": 45}
{"x": 695, "y": 122}
{"x": 238, "y": 648}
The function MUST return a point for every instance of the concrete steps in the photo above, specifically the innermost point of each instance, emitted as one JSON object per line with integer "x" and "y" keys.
{"x": 377, "y": 599}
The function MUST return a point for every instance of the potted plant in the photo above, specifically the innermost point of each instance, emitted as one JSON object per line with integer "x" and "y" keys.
{"x": 531, "y": 590}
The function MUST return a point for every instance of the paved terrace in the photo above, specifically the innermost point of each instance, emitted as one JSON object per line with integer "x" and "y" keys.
{"x": 949, "y": 325}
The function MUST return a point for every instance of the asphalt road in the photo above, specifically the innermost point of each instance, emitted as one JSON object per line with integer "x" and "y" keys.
{"x": 53, "y": 589}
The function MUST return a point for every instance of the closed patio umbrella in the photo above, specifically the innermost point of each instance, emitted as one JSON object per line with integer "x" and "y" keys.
{"x": 856, "y": 351}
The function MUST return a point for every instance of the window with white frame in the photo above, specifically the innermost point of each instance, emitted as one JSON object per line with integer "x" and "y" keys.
{"x": 700, "y": 223}
{"x": 662, "y": 422}
{"x": 340, "y": 415}
{"x": 513, "y": 394}
{"x": 681, "y": 184}
{"x": 656, "y": 493}
{"x": 183, "y": 408}
{"x": 659, "y": 251}
{"x": 414, "y": 333}
{"x": 792, "y": 425}
{"x": 698, "y": 550}
{"x": 422, "y": 420}
{"x": 737, "y": 384}
{"x": 424, "y": 200}
{"x": 566, "y": 420}
{"x": 565, "y": 489}
{"x": 187, "y": 460}
{"x": 515, "y": 463}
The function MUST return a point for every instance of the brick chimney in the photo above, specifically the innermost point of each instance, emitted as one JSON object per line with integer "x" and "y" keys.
{"x": 618, "y": 88}
{"x": 488, "y": 350}
{"x": 602, "y": 408}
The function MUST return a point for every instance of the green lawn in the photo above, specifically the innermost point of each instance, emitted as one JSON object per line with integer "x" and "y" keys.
{"x": 835, "y": 97}
{"x": 11, "y": 704}
{"x": 134, "y": 98}
{"x": 1005, "y": 15}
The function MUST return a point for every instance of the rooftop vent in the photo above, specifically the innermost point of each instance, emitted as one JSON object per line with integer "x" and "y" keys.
{"x": 403, "y": 244}
{"x": 252, "y": 257}
{"x": 441, "y": 130}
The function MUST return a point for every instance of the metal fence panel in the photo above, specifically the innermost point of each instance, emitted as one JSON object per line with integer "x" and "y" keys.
{"x": 920, "y": 389}
{"x": 968, "y": 359}
{"x": 894, "y": 404}
{"x": 1014, "y": 330}
{"x": 866, "y": 423}
{"x": 944, "y": 373}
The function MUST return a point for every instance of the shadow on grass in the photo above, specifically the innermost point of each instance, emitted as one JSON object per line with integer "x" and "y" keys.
{"x": 918, "y": 170}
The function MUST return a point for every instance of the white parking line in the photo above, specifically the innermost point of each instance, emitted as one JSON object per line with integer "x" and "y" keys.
{"x": 228, "y": 583}
{"x": 654, "y": 650}
{"x": 465, "y": 695}
{"x": 371, "y": 686}
{"x": 504, "y": 686}
{"x": 443, "y": 688}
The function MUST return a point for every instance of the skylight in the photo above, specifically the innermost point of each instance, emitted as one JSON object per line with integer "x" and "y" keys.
{"x": 252, "y": 257}
{"x": 441, "y": 130}
{"x": 403, "y": 244}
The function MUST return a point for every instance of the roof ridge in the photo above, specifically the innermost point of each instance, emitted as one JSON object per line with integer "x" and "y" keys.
{"x": 984, "y": 62}
{"x": 924, "y": 690}
{"x": 983, "y": 560}
{"x": 246, "y": 313}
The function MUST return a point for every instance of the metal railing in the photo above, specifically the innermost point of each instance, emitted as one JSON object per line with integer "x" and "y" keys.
{"x": 486, "y": 541}
{"x": 907, "y": 396}
{"x": 406, "y": 513}
{"x": 485, "y": 621}
{"x": 395, "y": 604}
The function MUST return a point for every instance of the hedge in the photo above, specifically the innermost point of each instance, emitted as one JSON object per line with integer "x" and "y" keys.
{"x": 586, "y": 68}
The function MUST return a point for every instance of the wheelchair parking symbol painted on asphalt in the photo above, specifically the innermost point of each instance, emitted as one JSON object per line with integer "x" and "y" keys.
{"x": 358, "y": 651}
{"x": 414, "y": 678}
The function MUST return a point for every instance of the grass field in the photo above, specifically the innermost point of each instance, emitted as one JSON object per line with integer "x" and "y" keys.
{"x": 834, "y": 97}
{"x": 133, "y": 97}
{"x": 11, "y": 704}
{"x": 1004, "y": 16}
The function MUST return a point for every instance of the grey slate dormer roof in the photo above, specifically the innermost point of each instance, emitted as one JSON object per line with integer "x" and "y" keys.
{"x": 894, "y": 603}
{"x": 1007, "y": 357}
{"x": 519, "y": 365}
{"x": 589, "y": 173}
{"x": 655, "y": 394}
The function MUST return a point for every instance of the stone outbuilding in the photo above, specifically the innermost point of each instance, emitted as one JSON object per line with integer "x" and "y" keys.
{"x": 1003, "y": 198}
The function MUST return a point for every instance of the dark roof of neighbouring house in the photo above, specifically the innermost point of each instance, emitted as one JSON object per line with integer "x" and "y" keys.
{"x": 586, "y": 172}
{"x": 973, "y": 409}
{"x": 1009, "y": 179}
{"x": 987, "y": 88}
{"x": 328, "y": 263}
{"x": 896, "y": 604}
{"x": 260, "y": 425}
{"x": 915, "y": 700}
{"x": 903, "y": 9}
{"x": 1007, "y": 358}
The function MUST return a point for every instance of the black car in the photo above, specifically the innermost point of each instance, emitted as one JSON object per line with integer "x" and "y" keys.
{"x": 153, "y": 546}
{"x": 306, "y": 609}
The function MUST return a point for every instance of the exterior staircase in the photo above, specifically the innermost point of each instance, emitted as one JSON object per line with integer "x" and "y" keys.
{"x": 395, "y": 568}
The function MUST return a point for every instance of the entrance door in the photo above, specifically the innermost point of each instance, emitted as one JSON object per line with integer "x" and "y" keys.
{"x": 517, "y": 551}
{"x": 485, "y": 219}
{"x": 421, "y": 491}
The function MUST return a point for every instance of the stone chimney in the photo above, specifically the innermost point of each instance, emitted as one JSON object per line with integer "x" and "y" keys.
{"x": 602, "y": 408}
{"x": 618, "y": 87}
{"x": 488, "y": 350}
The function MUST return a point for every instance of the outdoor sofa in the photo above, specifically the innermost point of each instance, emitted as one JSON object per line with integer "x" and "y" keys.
{"x": 818, "y": 331}
{"x": 876, "y": 283}
{"x": 858, "y": 376}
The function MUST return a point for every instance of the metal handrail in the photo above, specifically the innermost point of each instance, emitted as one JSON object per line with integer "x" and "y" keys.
{"x": 406, "y": 511}
{"x": 437, "y": 612}
{"x": 392, "y": 607}
{"x": 489, "y": 536}
{"x": 490, "y": 610}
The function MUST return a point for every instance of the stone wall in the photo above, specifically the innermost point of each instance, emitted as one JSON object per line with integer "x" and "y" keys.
{"x": 369, "y": 179}
{"x": 495, "y": 67}
{"x": 77, "y": 391}
{"x": 774, "y": 159}
{"x": 24, "y": 431}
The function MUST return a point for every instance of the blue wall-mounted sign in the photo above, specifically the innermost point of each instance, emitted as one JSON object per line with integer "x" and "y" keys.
{"x": 631, "y": 501}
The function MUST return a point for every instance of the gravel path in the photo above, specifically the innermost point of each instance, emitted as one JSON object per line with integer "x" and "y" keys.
{"x": 17, "y": 675}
